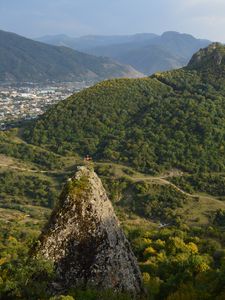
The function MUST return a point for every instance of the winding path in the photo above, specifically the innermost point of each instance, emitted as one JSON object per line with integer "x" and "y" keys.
{"x": 140, "y": 177}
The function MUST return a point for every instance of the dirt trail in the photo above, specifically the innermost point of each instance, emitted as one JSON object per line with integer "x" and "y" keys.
{"x": 164, "y": 181}
{"x": 139, "y": 177}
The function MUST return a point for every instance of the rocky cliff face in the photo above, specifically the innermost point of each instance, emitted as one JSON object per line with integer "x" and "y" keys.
{"x": 84, "y": 239}
{"x": 212, "y": 56}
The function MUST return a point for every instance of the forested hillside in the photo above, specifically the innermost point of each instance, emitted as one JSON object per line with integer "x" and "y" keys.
{"x": 171, "y": 120}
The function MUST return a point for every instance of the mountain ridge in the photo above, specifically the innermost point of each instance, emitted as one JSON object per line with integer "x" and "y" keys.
{"x": 27, "y": 60}
{"x": 89, "y": 41}
{"x": 147, "y": 53}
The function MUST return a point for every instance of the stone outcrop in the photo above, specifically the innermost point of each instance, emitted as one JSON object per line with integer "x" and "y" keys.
{"x": 84, "y": 240}
{"x": 211, "y": 56}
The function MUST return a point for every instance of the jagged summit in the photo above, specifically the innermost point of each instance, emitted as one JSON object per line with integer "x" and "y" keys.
{"x": 210, "y": 57}
{"x": 84, "y": 239}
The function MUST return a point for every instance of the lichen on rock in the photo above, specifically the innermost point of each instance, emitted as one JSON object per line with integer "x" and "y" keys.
{"x": 85, "y": 241}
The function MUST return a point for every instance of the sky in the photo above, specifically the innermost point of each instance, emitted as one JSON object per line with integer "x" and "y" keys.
{"x": 35, "y": 18}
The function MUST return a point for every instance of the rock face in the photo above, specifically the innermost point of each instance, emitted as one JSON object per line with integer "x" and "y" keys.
{"x": 84, "y": 239}
{"x": 212, "y": 56}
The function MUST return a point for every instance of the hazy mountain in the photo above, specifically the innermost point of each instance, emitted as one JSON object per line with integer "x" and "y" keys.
{"x": 23, "y": 60}
{"x": 85, "y": 43}
{"x": 149, "y": 58}
{"x": 147, "y": 53}
{"x": 169, "y": 51}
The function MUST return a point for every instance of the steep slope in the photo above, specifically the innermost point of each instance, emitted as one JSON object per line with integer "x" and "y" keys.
{"x": 25, "y": 60}
{"x": 84, "y": 240}
{"x": 172, "y": 119}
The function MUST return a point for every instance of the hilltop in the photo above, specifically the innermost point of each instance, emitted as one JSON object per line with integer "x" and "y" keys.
{"x": 25, "y": 60}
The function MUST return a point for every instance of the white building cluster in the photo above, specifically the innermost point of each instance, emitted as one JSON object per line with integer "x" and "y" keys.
{"x": 27, "y": 102}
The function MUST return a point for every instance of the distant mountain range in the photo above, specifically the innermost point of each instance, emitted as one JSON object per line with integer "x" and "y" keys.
{"x": 85, "y": 43}
{"x": 25, "y": 60}
{"x": 147, "y": 53}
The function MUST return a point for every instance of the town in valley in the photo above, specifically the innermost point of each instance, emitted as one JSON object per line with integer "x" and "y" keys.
{"x": 28, "y": 101}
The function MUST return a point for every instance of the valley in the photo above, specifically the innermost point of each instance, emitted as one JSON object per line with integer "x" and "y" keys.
{"x": 157, "y": 145}
{"x": 29, "y": 192}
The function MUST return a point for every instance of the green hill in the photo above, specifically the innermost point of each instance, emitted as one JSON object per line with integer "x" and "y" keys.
{"x": 25, "y": 60}
{"x": 171, "y": 120}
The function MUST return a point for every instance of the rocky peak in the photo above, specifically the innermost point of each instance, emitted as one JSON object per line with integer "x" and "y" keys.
{"x": 84, "y": 240}
{"x": 212, "y": 56}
